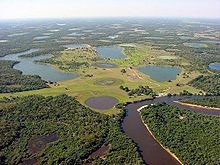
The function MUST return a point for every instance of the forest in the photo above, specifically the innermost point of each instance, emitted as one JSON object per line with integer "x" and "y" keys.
{"x": 140, "y": 91}
{"x": 37, "y": 129}
{"x": 209, "y": 84}
{"x": 12, "y": 80}
{"x": 209, "y": 102}
{"x": 45, "y": 51}
{"x": 191, "y": 136}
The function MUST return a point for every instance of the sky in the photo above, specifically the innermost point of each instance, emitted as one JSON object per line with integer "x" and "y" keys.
{"x": 13, "y": 9}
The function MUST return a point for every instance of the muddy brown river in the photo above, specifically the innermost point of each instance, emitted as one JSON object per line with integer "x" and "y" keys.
{"x": 150, "y": 150}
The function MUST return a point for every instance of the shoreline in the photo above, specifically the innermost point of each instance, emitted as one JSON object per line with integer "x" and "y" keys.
{"x": 198, "y": 106}
{"x": 148, "y": 129}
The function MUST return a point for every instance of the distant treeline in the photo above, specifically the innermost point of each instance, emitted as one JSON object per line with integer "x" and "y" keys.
{"x": 140, "y": 91}
{"x": 209, "y": 84}
{"x": 45, "y": 51}
{"x": 209, "y": 102}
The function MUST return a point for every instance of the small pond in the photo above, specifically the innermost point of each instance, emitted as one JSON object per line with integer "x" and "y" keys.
{"x": 105, "y": 65}
{"x": 101, "y": 103}
{"x": 160, "y": 73}
{"x": 111, "y": 52}
{"x": 108, "y": 81}
{"x": 214, "y": 66}
{"x": 195, "y": 45}
{"x": 38, "y": 143}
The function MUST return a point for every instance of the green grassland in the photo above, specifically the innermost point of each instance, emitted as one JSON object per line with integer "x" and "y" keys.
{"x": 85, "y": 86}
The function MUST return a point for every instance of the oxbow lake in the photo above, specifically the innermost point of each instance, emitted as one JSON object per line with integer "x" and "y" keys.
{"x": 29, "y": 67}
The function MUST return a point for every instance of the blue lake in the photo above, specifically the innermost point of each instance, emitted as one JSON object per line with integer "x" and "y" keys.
{"x": 111, "y": 52}
{"x": 29, "y": 67}
{"x": 195, "y": 45}
{"x": 215, "y": 66}
{"x": 160, "y": 73}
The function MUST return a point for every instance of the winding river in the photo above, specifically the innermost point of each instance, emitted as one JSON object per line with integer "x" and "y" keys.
{"x": 151, "y": 151}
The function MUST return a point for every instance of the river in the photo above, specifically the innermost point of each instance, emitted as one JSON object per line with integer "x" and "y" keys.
{"x": 151, "y": 151}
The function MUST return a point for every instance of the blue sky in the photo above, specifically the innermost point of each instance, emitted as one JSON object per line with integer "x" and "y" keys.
{"x": 108, "y": 8}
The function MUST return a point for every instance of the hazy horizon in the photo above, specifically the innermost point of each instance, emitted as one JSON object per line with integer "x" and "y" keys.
{"x": 38, "y": 9}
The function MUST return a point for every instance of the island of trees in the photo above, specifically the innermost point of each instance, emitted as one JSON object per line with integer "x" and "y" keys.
{"x": 193, "y": 137}
{"x": 208, "y": 102}
{"x": 209, "y": 84}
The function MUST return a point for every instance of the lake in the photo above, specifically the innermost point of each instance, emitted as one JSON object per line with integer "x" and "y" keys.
{"x": 29, "y": 67}
{"x": 195, "y": 45}
{"x": 160, "y": 73}
{"x": 111, "y": 52}
{"x": 214, "y": 66}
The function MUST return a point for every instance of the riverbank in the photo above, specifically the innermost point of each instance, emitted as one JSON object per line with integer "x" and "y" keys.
{"x": 148, "y": 129}
{"x": 197, "y": 106}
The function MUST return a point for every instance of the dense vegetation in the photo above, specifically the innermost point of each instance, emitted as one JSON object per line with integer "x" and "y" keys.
{"x": 12, "y": 80}
{"x": 76, "y": 132}
{"x": 209, "y": 102}
{"x": 209, "y": 84}
{"x": 185, "y": 93}
{"x": 44, "y": 51}
{"x": 140, "y": 91}
{"x": 193, "y": 137}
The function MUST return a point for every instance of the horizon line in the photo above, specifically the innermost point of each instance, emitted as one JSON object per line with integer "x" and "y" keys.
{"x": 108, "y": 17}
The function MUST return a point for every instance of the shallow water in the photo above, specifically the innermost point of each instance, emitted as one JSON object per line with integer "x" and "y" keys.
{"x": 105, "y": 65}
{"x": 160, "y": 73}
{"x": 38, "y": 143}
{"x": 101, "y": 103}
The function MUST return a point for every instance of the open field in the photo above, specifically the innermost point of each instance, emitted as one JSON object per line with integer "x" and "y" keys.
{"x": 85, "y": 87}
